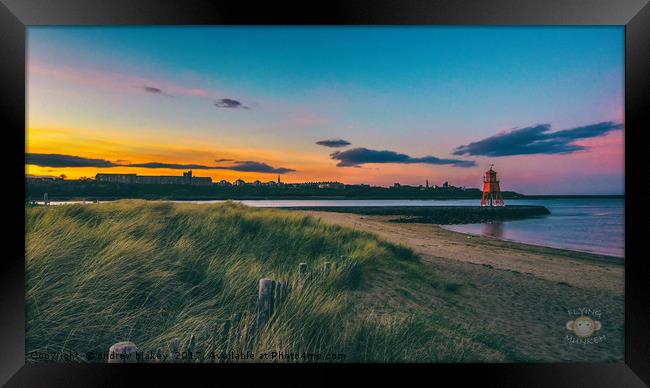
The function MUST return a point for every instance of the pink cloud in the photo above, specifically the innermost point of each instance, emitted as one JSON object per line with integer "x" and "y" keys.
{"x": 116, "y": 81}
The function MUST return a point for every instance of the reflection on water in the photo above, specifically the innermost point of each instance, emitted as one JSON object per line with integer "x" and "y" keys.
{"x": 494, "y": 229}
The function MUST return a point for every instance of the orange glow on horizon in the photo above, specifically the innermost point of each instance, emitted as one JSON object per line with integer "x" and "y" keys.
{"x": 142, "y": 148}
{"x": 604, "y": 155}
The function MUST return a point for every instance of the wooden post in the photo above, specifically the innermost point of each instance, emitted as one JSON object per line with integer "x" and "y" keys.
{"x": 265, "y": 300}
{"x": 302, "y": 270}
{"x": 284, "y": 289}
{"x": 122, "y": 352}
{"x": 280, "y": 292}
{"x": 174, "y": 347}
{"x": 190, "y": 349}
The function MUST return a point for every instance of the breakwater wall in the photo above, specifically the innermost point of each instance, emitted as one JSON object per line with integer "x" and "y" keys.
{"x": 443, "y": 215}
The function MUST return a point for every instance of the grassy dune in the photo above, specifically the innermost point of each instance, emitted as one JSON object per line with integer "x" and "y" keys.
{"x": 151, "y": 271}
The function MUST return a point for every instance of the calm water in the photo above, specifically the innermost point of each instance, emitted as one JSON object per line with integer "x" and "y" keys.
{"x": 583, "y": 224}
{"x": 589, "y": 225}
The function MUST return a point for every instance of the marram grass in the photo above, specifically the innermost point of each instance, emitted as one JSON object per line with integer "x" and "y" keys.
{"x": 147, "y": 272}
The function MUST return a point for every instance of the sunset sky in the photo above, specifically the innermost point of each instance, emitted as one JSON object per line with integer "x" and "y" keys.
{"x": 373, "y": 105}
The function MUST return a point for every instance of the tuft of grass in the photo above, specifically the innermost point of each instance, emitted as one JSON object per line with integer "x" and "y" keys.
{"x": 148, "y": 272}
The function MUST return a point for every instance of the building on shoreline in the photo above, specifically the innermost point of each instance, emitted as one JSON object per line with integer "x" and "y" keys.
{"x": 42, "y": 178}
{"x": 185, "y": 179}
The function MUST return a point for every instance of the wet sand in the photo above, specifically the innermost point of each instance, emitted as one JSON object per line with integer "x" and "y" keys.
{"x": 524, "y": 293}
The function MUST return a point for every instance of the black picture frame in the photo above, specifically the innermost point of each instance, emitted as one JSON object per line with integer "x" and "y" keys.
{"x": 16, "y": 15}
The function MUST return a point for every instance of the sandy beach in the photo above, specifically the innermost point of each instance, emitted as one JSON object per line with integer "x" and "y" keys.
{"x": 525, "y": 293}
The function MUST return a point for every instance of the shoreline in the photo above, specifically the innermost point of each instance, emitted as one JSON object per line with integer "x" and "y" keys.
{"x": 89, "y": 198}
{"x": 583, "y": 269}
{"x": 444, "y": 216}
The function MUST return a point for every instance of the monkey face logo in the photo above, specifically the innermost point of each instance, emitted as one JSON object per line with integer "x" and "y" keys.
{"x": 583, "y": 326}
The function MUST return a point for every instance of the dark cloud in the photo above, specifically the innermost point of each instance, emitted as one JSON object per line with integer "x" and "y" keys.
{"x": 151, "y": 89}
{"x": 358, "y": 156}
{"x": 250, "y": 166}
{"x": 229, "y": 103}
{"x": 334, "y": 143}
{"x": 536, "y": 140}
{"x": 173, "y": 166}
{"x": 223, "y": 160}
{"x": 58, "y": 160}
{"x": 243, "y": 166}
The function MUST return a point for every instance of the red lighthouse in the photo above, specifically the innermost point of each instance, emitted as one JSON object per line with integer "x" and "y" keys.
{"x": 491, "y": 190}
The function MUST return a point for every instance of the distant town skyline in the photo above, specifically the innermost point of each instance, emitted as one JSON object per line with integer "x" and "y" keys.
{"x": 357, "y": 105}
{"x": 203, "y": 181}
